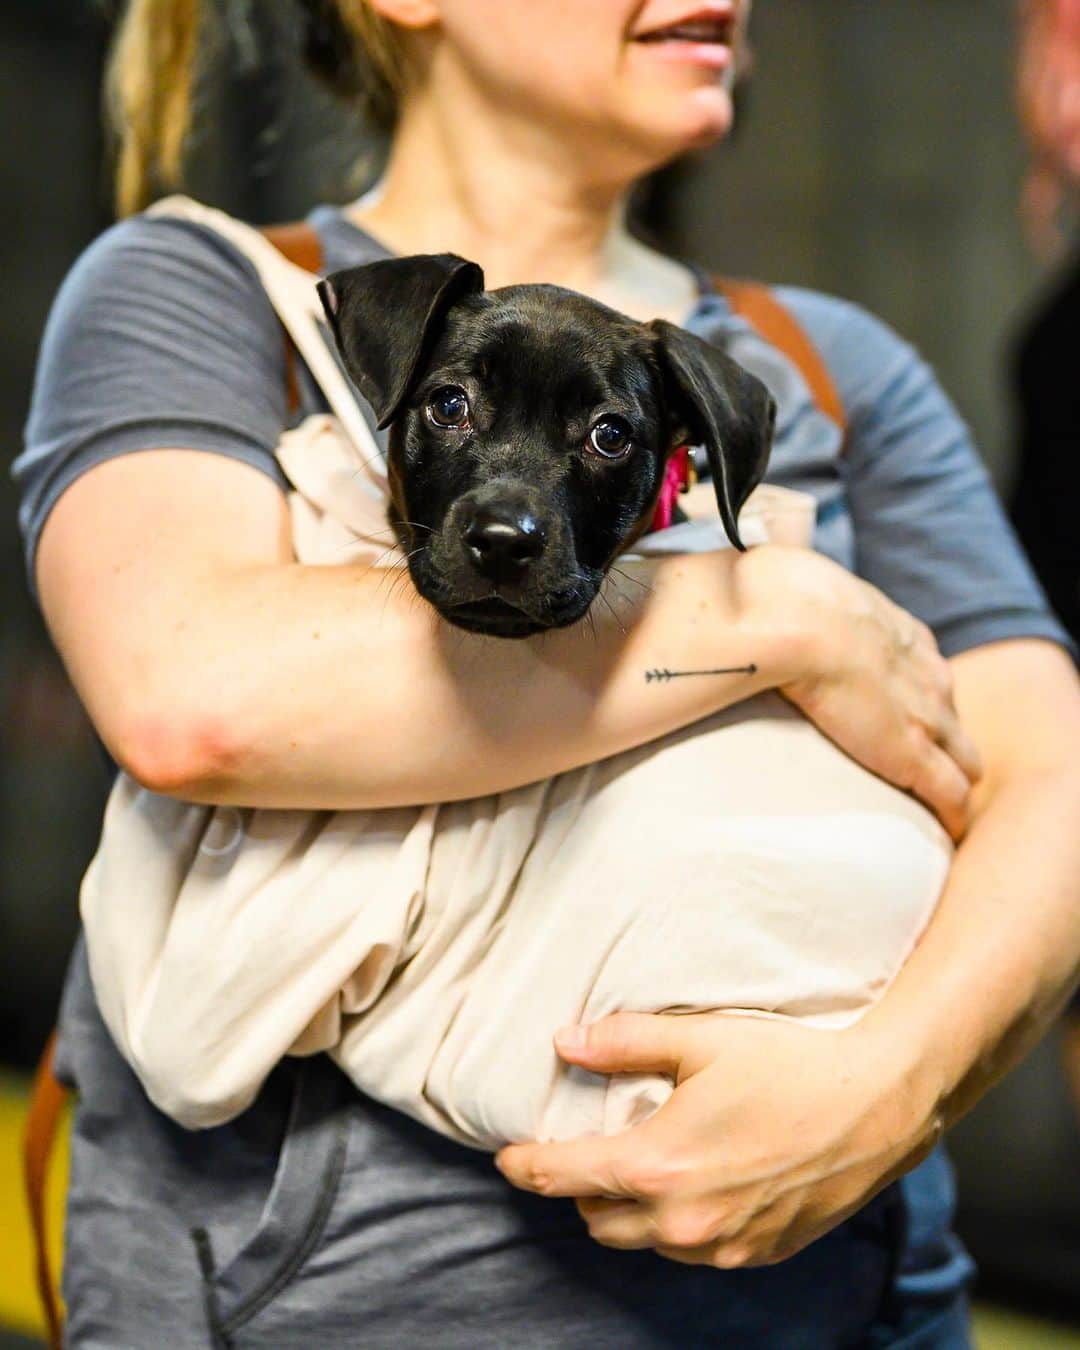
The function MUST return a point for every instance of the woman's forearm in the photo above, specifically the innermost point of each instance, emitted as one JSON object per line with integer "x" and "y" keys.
{"x": 1003, "y": 949}
{"x": 216, "y": 669}
{"x": 339, "y": 688}
{"x": 1001, "y": 955}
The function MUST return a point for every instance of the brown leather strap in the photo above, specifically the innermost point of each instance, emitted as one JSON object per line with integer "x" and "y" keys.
{"x": 301, "y": 244}
{"x": 47, "y": 1100}
{"x": 778, "y": 326}
{"x": 292, "y": 382}
{"x": 298, "y": 242}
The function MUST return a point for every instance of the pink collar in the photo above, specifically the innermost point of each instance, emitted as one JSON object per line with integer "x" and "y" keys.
{"x": 679, "y": 477}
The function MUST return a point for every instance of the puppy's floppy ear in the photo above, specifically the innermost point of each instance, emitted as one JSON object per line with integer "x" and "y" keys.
{"x": 385, "y": 316}
{"x": 724, "y": 407}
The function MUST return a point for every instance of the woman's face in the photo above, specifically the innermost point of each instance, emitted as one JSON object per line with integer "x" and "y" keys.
{"x": 637, "y": 80}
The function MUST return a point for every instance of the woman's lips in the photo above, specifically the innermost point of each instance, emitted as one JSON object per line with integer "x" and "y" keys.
{"x": 712, "y": 54}
{"x": 701, "y": 39}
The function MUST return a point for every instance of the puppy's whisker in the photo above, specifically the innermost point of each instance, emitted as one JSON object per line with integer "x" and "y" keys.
{"x": 396, "y": 572}
{"x": 401, "y": 579}
{"x": 620, "y": 594}
{"x": 611, "y": 610}
{"x": 371, "y": 459}
{"x": 388, "y": 530}
{"x": 395, "y": 576}
{"x": 402, "y": 564}
{"x": 388, "y": 583}
{"x": 337, "y": 552}
{"x": 386, "y": 553}
{"x": 636, "y": 580}
{"x": 404, "y": 575}
{"x": 375, "y": 562}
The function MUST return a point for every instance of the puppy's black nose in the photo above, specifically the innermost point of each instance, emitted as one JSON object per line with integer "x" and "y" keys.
{"x": 501, "y": 543}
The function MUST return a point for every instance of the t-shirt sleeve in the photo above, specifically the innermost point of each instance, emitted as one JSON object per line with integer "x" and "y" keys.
{"x": 160, "y": 336}
{"x": 929, "y": 529}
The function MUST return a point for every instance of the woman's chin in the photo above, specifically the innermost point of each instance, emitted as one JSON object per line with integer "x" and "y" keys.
{"x": 711, "y": 115}
{"x": 710, "y": 106}
{"x": 697, "y": 118}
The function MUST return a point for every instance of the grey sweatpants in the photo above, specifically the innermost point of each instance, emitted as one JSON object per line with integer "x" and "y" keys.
{"x": 319, "y": 1219}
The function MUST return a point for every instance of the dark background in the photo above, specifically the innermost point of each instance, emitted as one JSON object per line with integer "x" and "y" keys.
{"x": 877, "y": 157}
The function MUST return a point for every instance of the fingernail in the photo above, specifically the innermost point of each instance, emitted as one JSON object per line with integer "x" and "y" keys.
{"x": 571, "y": 1038}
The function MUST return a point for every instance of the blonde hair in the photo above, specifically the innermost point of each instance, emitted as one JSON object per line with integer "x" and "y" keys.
{"x": 163, "y": 47}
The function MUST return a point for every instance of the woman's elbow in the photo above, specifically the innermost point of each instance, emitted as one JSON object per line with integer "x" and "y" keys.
{"x": 176, "y": 754}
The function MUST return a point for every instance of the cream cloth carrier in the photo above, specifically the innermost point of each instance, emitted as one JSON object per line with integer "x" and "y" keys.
{"x": 743, "y": 864}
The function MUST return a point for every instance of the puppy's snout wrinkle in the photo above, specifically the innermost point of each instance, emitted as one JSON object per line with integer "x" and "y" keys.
{"x": 502, "y": 542}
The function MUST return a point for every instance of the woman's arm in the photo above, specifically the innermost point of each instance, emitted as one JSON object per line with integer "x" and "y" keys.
{"x": 778, "y": 1132}
{"x": 217, "y": 669}
{"x": 1003, "y": 953}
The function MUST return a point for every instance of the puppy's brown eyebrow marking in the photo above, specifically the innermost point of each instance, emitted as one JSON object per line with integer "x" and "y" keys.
{"x": 663, "y": 674}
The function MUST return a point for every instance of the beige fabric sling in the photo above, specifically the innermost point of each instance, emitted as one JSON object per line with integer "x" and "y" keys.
{"x": 743, "y": 864}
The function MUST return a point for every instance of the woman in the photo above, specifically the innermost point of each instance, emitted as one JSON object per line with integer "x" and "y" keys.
{"x": 216, "y": 669}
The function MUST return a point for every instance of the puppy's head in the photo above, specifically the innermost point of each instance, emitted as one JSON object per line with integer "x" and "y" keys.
{"x": 530, "y": 429}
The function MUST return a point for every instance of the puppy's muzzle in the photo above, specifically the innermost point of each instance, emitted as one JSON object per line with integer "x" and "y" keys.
{"x": 501, "y": 541}
{"x": 502, "y": 563}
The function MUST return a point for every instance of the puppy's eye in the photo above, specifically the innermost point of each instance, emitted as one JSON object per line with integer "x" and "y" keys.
{"x": 612, "y": 437}
{"x": 448, "y": 407}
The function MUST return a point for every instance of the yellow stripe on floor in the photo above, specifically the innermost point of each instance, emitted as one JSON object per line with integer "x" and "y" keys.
{"x": 19, "y": 1306}
{"x": 996, "y": 1329}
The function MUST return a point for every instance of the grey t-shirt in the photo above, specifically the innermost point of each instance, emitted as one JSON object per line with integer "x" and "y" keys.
{"x": 161, "y": 336}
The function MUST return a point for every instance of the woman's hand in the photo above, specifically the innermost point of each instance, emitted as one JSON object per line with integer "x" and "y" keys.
{"x": 774, "y": 1134}
{"x": 871, "y": 676}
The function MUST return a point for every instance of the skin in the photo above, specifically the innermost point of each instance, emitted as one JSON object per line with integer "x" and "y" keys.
{"x": 556, "y": 114}
{"x": 217, "y": 669}
{"x": 775, "y": 1133}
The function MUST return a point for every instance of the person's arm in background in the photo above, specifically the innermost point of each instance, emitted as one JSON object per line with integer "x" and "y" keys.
{"x": 778, "y": 1132}
{"x": 1048, "y": 81}
{"x": 216, "y": 669}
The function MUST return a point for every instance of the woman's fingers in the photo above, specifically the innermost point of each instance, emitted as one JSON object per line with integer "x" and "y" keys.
{"x": 718, "y": 1176}
{"x": 580, "y": 1167}
{"x": 943, "y": 725}
{"x": 946, "y": 763}
{"x": 939, "y": 781}
{"x": 623, "y": 1043}
{"x": 617, "y": 1223}
{"x": 959, "y": 746}
{"x": 881, "y": 689}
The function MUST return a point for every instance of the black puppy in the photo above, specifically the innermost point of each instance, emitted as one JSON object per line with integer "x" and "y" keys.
{"x": 530, "y": 431}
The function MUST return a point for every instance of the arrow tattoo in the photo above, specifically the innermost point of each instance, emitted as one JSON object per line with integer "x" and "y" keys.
{"x": 664, "y": 674}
